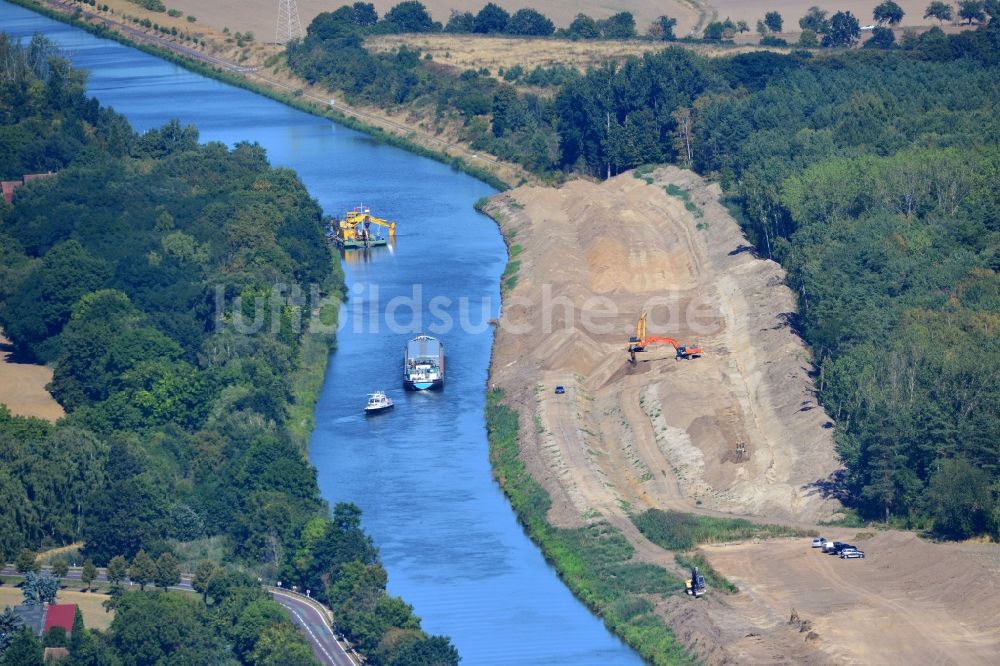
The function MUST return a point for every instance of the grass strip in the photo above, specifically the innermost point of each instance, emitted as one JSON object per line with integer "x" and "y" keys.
{"x": 594, "y": 561}
{"x": 678, "y": 531}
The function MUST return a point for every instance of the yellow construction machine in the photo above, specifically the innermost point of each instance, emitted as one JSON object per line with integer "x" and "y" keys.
{"x": 355, "y": 230}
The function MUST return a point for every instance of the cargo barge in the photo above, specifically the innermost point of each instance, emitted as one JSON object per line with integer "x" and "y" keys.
{"x": 423, "y": 364}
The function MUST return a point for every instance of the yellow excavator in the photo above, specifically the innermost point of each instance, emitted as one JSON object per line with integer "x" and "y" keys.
{"x": 695, "y": 585}
{"x": 640, "y": 341}
{"x": 355, "y": 230}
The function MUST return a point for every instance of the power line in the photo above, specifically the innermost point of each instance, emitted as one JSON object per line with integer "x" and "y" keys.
{"x": 288, "y": 26}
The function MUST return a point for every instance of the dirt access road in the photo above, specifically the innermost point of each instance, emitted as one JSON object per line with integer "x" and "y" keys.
{"x": 737, "y": 431}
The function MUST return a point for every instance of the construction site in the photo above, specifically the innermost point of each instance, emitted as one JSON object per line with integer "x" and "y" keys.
{"x": 685, "y": 387}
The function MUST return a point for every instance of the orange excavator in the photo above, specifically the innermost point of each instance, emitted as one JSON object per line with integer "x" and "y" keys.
{"x": 640, "y": 341}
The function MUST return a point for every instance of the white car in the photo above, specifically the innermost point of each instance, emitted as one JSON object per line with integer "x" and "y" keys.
{"x": 851, "y": 554}
{"x": 867, "y": 27}
{"x": 818, "y": 542}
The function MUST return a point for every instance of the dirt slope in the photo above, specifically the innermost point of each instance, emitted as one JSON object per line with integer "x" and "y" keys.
{"x": 737, "y": 430}
{"x": 668, "y": 433}
{"x": 22, "y": 386}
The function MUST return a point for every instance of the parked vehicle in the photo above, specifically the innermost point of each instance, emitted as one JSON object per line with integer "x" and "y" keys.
{"x": 851, "y": 554}
{"x": 829, "y": 546}
{"x": 818, "y": 542}
{"x": 841, "y": 547}
{"x": 560, "y": 390}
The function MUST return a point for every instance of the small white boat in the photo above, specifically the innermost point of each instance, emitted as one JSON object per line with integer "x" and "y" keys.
{"x": 378, "y": 402}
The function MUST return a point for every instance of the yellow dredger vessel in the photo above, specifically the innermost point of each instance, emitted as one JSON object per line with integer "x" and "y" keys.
{"x": 355, "y": 230}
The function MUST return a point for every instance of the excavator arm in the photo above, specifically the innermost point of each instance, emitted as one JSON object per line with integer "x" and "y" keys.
{"x": 640, "y": 341}
{"x": 362, "y": 217}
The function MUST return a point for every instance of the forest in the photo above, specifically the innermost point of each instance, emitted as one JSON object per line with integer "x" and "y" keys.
{"x": 870, "y": 174}
{"x": 157, "y": 276}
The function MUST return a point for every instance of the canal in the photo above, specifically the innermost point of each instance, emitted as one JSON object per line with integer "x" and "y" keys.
{"x": 420, "y": 473}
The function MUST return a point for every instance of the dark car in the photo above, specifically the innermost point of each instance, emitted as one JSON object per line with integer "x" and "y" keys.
{"x": 560, "y": 390}
{"x": 838, "y": 548}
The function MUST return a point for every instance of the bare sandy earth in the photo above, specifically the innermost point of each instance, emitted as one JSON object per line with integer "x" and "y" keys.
{"x": 22, "y": 386}
{"x": 907, "y": 602}
{"x": 667, "y": 433}
{"x": 662, "y": 432}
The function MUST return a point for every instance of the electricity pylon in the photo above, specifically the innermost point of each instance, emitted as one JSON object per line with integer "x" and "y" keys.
{"x": 288, "y": 27}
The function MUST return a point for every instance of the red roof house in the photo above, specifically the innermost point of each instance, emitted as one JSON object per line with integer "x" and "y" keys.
{"x": 8, "y": 186}
{"x": 60, "y": 615}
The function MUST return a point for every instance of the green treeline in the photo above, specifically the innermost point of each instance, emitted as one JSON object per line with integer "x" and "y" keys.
{"x": 180, "y": 293}
{"x": 870, "y": 175}
{"x": 236, "y": 621}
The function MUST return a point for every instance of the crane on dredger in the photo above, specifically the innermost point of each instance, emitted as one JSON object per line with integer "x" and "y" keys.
{"x": 640, "y": 341}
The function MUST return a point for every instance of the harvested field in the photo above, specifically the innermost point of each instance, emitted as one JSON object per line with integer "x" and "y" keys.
{"x": 260, "y": 16}
{"x": 22, "y": 386}
{"x": 493, "y": 53}
{"x": 793, "y": 10}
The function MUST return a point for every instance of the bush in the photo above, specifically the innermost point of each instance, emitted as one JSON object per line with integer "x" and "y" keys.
{"x": 674, "y": 530}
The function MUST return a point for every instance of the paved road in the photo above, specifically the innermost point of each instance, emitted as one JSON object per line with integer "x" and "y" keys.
{"x": 312, "y": 619}
{"x": 315, "y": 626}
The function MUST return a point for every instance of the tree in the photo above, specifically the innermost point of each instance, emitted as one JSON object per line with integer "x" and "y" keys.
{"x": 808, "y": 39}
{"x": 430, "y": 651}
{"x": 618, "y": 26}
{"x": 60, "y": 567}
{"x": 76, "y": 635}
{"x": 583, "y": 27}
{"x": 971, "y": 10}
{"x": 815, "y": 20}
{"x": 888, "y": 12}
{"x": 844, "y": 30}
{"x": 117, "y": 569}
{"x": 39, "y": 589}
{"x": 26, "y": 561}
{"x": 88, "y": 573}
{"x": 942, "y": 11}
{"x": 281, "y": 645}
{"x": 761, "y": 27}
{"x": 143, "y": 569}
{"x": 365, "y": 15}
{"x": 742, "y": 26}
{"x": 203, "y": 575}
{"x": 168, "y": 571}
{"x": 959, "y": 499}
{"x": 491, "y": 19}
{"x": 409, "y": 16}
{"x": 663, "y": 28}
{"x": 714, "y": 31}
{"x": 55, "y": 637}
{"x": 773, "y": 21}
{"x": 882, "y": 38}
{"x": 531, "y": 23}
{"x": 24, "y": 650}
{"x": 460, "y": 22}
{"x": 9, "y": 625}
